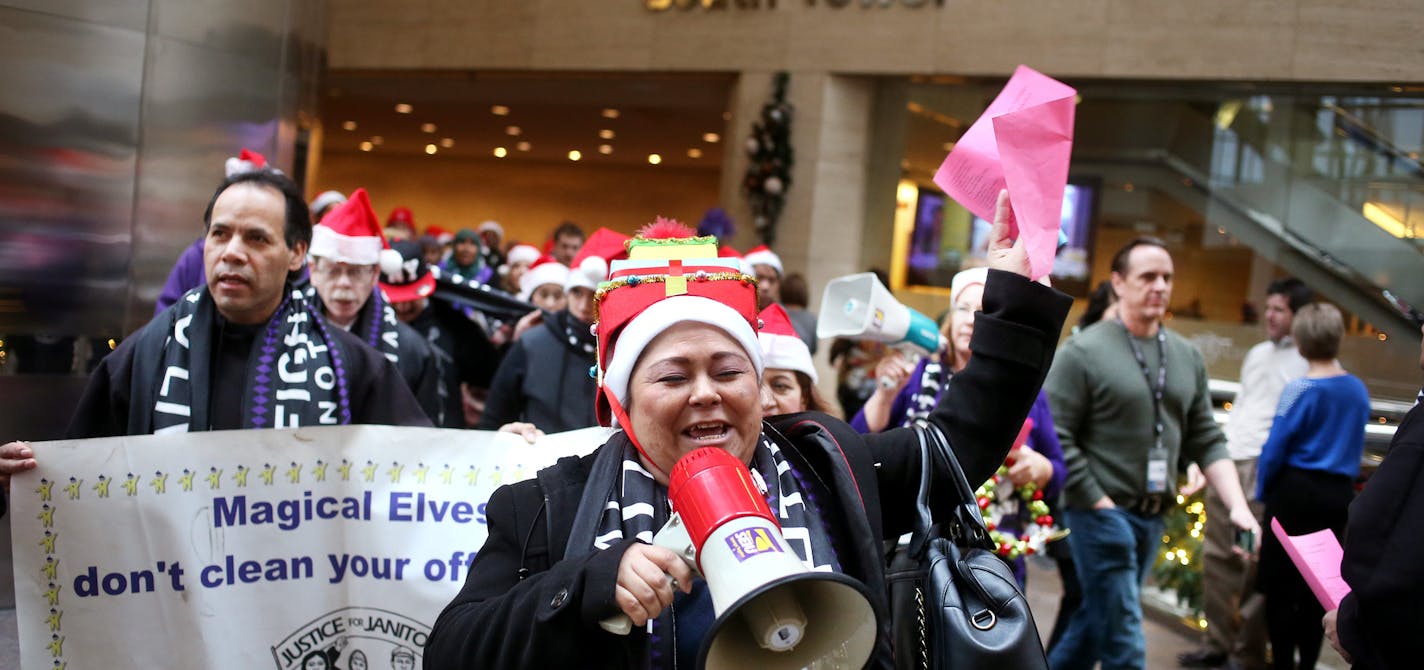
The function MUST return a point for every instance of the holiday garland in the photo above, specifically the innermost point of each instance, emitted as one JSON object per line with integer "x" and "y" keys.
{"x": 769, "y": 173}
{"x": 1000, "y": 503}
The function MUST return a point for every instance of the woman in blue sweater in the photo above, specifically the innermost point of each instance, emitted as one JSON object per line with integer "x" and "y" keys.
{"x": 1306, "y": 477}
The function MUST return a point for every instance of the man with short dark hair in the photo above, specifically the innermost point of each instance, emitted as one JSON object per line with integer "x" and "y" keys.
{"x": 245, "y": 350}
{"x": 1235, "y": 615}
{"x": 568, "y": 239}
{"x": 1129, "y": 401}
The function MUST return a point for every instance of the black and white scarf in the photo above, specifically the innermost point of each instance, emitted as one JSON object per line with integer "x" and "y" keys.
{"x": 638, "y": 501}
{"x": 375, "y": 325}
{"x": 295, "y": 373}
{"x": 923, "y": 401}
{"x": 576, "y": 334}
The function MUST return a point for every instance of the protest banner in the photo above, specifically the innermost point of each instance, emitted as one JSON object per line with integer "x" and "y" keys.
{"x": 295, "y": 549}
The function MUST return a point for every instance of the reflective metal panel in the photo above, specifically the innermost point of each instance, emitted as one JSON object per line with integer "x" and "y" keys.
{"x": 68, "y": 137}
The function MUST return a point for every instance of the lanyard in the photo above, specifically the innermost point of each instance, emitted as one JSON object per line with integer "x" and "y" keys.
{"x": 1161, "y": 386}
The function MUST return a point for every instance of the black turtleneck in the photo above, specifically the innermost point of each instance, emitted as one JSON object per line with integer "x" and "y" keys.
{"x": 230, "y": 373}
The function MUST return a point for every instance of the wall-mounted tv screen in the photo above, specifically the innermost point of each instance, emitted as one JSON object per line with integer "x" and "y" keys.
{"x": 1072, "y": 266}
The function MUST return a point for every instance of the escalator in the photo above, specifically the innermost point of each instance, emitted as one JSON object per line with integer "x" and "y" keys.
{"x": 1309, "y": 185}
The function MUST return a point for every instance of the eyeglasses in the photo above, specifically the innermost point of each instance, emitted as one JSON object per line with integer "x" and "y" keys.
{"x": 339, "y": 270}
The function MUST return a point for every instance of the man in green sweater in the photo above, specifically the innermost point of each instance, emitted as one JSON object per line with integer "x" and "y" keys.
{"x": 1130, "y": 401}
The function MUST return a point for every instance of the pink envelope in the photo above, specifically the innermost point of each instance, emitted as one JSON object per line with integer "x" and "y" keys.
{"x": 1022, "y": 142}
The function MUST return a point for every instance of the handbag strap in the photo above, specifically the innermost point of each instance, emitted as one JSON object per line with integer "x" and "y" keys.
{"x": 966, "y": 522}
{"x": 924, "y": 519}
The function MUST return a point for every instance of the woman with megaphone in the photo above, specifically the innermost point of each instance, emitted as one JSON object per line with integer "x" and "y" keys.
{"x": 679, "y": 369}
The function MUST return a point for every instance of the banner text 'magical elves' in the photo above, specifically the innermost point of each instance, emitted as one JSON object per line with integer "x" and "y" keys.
{"x": 289, "y": 514}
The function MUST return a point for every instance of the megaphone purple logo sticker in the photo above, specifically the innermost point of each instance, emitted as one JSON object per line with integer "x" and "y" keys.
{"x": 749, "y": 542}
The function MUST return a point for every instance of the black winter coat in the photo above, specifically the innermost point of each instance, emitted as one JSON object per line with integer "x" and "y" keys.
{"x": 525, "y": 605}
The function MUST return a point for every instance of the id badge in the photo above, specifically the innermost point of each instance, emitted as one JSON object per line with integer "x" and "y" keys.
{"x": 1157, "y": 470}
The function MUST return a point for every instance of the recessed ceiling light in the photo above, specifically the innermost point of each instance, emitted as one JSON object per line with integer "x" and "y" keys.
{"x": 655, "y": 159}
{"x": 694, "y": 153}
{"x": 500, "y": 152}
{"x": 610, "y": 113}
{"x": 606, "y": 133}
{"x": 447, "y": 142}
{"x": 522, "y": 146}
{"x": 348, "y": 125}
{"x": 575, "y": 155}
{"x": 377, "y": 140}
{"x": 499, "y": 110}
{"x": 427, "y": 127}
{"x": 403, "y": 108}
{"x": 367, "y": 146}
{"x": 711, "y": 137}
{"x": 512, "y": 131}
{"x": 431, "y": 149}
{"x": 605, "y": 149}
{"x": 726, "y": 116}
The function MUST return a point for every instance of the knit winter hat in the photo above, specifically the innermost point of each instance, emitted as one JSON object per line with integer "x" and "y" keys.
{"x": 963, "y": 280}
{"x": 523, "y": 253}
{"x": 781, "y": 347}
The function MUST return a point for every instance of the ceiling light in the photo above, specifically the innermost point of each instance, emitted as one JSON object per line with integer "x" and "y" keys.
{"x": 377, "y": 140}
{"x": 654, "y": 159}
{"x": 575, "y": 154}
{"x": 427, "y": 127}
{"x": 447, "y": 142}
{"x": 500, "y": 152}
{"x": 403, "y": 108}
{"x": 711, "y": 137}
{"x": 431, "y": 149}
{"x": 348, "y": 125}
{"x": 726, "y": 116}
{"x": 610, "y": 113}
{"x": 512, "y": 131}
{"x": 367, "y": 146}
{"x": 694, "y": 153}
{"x": 606, "y": 134}
{"x": 522, "y": 146}
{"x": 499, "y": 110}
{"x": 605, "y": 149}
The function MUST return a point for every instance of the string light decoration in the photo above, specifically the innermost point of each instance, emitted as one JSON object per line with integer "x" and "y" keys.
{"x": 999, "y": 503}
{"x": 1179, "y": 566}
{"x": 769, "y": 172}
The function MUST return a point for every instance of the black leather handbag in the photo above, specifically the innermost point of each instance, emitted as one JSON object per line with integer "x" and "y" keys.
{"x": 954, "y": 604}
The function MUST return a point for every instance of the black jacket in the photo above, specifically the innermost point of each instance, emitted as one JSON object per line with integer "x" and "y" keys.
{"x": 1379, "y": 622}
{"x": 543, "y": 380}
{"x": 524, "y": 605}
{"x": 463, "y": 353}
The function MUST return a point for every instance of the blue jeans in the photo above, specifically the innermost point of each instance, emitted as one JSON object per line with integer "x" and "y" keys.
{"x": 1113, "y": 550}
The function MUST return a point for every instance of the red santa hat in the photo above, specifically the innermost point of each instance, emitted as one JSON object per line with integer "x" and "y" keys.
{"x": 781, "y": 347}
{"x": 762, "y": 255}
{"x": 350, "y": 233}
{"x": 670, "y": 277}
{"x": 440, "y": 234}
{"x": 546, "y": 270}
{"x": 324, "y": 200}
{"x": 245, "y": 161}
{"x": 590, "y": 265}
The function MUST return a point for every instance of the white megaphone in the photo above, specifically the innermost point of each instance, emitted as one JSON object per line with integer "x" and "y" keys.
{"x": 860, "y": 308}
{"x": 772, "y": 611}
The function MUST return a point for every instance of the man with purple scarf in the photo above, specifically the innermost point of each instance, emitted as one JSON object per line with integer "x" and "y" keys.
{"x": 244, "y": 350}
